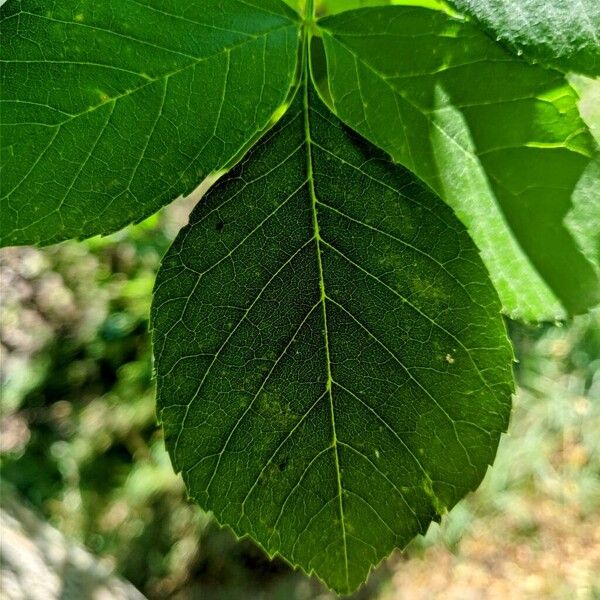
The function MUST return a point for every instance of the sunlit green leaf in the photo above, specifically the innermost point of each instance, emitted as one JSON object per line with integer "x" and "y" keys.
{"x": 333, "y": 370}
{"x": 499, "y": 139}
{"x": 337, "y": 6}
{"x": 323, "y": 7}
{"x": 112, "y": 109}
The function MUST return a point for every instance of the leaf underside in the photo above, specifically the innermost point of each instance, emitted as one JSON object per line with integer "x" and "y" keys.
{"x": 562, "y": 33}
{"x": 112, "y": 109}
{"x": 333, "y": 370}
{"x": 499, "y": 139}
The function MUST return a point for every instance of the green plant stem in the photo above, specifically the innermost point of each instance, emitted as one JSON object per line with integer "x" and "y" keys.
{"x": 309, "y": 11}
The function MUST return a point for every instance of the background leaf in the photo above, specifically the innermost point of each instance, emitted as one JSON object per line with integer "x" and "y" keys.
{"x": 562, "y": 33}
{"x": 333, "y": 371}
{"x": 499, "y": 139}
{"x": 112, "y": 109}
{"x": 583, "y": 218}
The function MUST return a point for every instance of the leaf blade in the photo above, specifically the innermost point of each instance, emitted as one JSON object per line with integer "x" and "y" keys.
{"x": 500, "y": 140}
{"x": 113, "y": 110}
{"x": 294, "y": 320}
{"x": 564, "y": 35}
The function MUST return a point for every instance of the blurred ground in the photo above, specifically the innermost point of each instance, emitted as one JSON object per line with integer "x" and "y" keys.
{"x": 38, "y": 563}
{"x": 79, "y": 444}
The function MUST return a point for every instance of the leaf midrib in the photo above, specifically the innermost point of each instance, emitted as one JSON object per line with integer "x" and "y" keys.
{"x": 323, "y": 301}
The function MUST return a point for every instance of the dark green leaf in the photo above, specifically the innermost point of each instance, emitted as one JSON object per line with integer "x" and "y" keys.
{"x": 112, "y": 109}
{"x": 499, "y": 139}
{"x": 333, "y": 370}
{"x": 561, "y": 33}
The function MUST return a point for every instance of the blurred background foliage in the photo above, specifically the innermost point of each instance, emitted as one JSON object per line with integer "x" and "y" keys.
{"x": 79, "y": 443}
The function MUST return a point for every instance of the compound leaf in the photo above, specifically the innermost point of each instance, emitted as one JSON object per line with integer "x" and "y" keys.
{"x": 333, "y": 370}
{"x": 562, "y": 33}
{"x": 499, "y": 139}
{"x": 112, "y": 109}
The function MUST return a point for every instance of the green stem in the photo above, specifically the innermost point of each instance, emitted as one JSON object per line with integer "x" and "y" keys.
{"x": 309, "y": 11}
